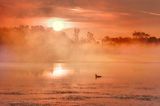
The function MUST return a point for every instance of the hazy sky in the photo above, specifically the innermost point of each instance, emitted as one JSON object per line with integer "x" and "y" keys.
{"x": 121, "y": 16}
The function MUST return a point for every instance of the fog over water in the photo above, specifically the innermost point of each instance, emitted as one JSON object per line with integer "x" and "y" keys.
{"x": 40, "y": 44}
{"x": 42, "y": 84}
{"x": 46, "y": 68}
{"x": 79, "y": 53}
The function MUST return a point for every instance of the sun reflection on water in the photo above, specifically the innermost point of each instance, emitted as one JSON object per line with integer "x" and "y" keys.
{"x": 59, "y": 71}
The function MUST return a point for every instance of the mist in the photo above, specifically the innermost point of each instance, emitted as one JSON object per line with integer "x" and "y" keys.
{"x": 41, "y": 44}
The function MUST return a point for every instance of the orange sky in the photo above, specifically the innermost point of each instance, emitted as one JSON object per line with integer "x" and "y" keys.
{"x": 105, "y": 16}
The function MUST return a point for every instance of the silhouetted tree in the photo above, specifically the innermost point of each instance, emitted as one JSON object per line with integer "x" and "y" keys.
{"x": 90, "y": 37}
{"x": 152, "y": 40}
{"x": 140, "y": 35}
{"x": 76, "y": 34}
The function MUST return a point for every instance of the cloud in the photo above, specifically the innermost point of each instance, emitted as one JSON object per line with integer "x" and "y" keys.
{"x": 151, "y": 13}
{"x": 122, "y": 13}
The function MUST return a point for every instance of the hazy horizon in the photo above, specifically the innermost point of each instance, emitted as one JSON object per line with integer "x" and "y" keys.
{"x": 79, "y": 53}
{"x": 104, "y": 16}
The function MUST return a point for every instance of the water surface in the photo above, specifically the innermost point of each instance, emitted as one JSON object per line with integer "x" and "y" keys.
{"x": 122, "y": 84}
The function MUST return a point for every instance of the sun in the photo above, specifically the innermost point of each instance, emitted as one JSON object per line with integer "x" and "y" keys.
{"x": 58, "y": 25}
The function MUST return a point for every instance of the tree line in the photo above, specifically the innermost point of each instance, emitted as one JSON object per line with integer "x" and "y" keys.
{"x": 18, "y": 35}
{"x": 137, "y": 37}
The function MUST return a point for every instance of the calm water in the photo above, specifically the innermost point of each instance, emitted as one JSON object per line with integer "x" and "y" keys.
{"x": 74, "y": 84}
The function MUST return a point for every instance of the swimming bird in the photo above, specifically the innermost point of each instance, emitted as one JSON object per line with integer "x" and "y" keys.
{"x": 97, "y": 76}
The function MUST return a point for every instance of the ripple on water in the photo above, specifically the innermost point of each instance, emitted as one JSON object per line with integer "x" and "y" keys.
{"x": 29, "y": 104}
{"x": 136, "y": 97}
{"x": 61, "y": 92}
{"x": 75, "y": 97}
{"x": 11, "y": 93}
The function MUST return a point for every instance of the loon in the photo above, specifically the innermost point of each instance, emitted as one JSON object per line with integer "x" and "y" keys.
{"x": 97, "y": 76}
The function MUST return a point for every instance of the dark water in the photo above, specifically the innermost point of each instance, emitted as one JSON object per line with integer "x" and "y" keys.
{"x": 122, "y": 84}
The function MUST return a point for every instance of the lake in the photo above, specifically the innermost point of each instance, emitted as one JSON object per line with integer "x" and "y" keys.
{"x": 74, "y": 84}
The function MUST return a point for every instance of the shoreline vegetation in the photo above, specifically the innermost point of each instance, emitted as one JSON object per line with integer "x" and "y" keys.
{"x": 41, "y": 44}
{"x": 15, "y": 35}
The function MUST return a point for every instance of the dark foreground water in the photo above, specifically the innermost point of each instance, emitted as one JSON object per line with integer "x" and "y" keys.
{"x": 74, "y": 84}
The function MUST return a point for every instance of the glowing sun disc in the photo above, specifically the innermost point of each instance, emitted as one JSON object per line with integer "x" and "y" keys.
{"x": 58, "y": 25}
